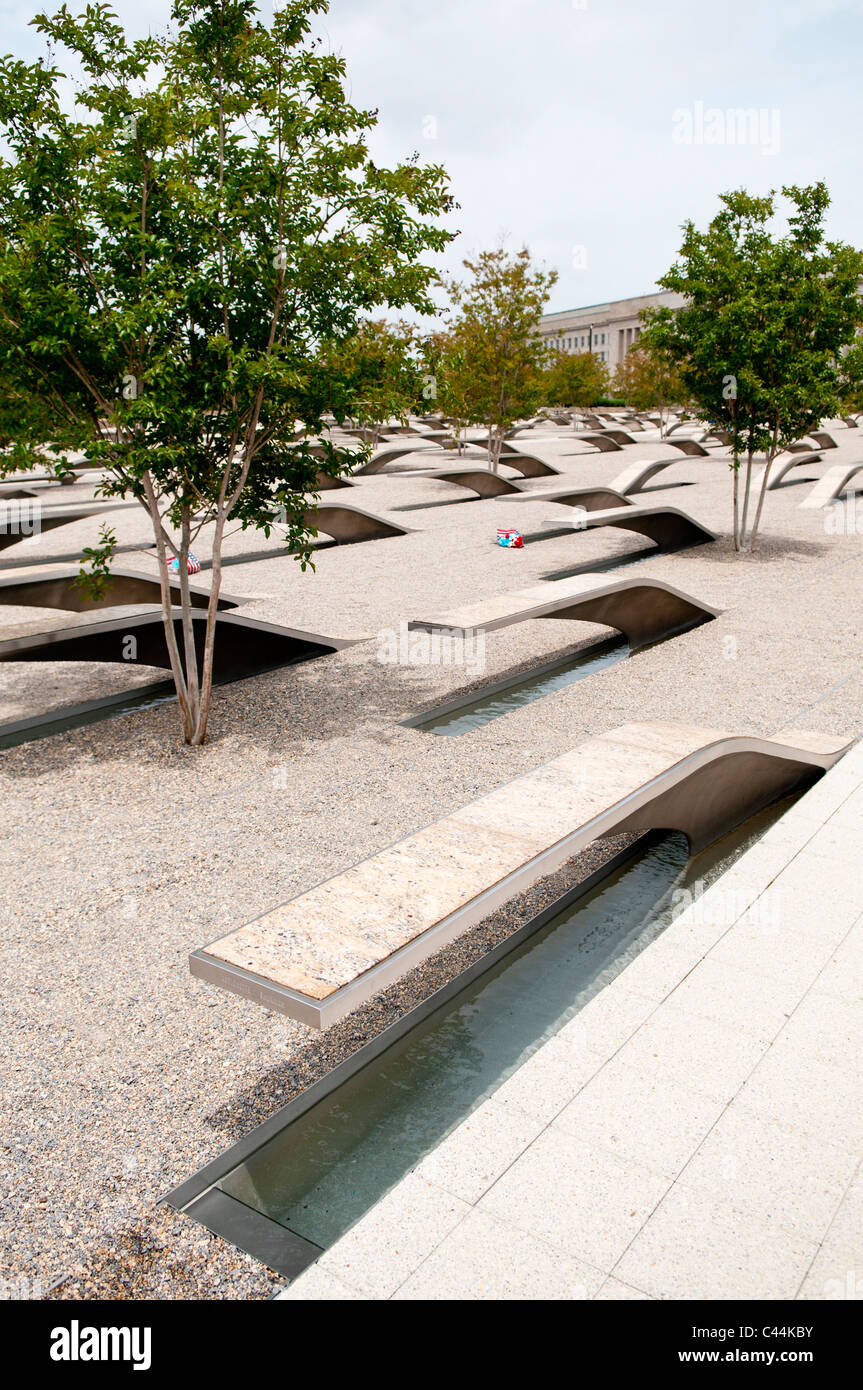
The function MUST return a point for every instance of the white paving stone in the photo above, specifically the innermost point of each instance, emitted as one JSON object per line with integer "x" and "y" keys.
{"x": 551, "y": 1077}
{"x": 485, "y": 1258}
{"x": 793, "y": 831}
{"x": 818, "y": 883}
{"x": 693, "y": 1132}
{"x": 841, "y": 835}
{"x": 695, "y": 1247}
{"x": 807, "y": 1092}
{"x": 846, "y": 1228}
{"x": 713, "y": 1058}
{"x": 842, "y": 975}
{"x": 638, "y": 1117}
{"x": 778, "y": 947}
{"x": 835, "y": 1275}
{"x": 471, "y": 1158}
{"x": 614, "y": 1291}
{"x": 826, "y": 1028}
{"x": 609, "y": 1020}
{"x": 723, "y": 992}
{"x": 392, "y": 1240}
{"x": 656, "y": 972}
{"x": 781, "y": 1174}
{"x": 577, "y": 1196}
{"x": 317, "y": 1285}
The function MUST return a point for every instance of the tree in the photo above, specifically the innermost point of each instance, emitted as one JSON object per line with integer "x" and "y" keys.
{"x": 447, "y": 378}
{"x": 374, "y": 374}
{"x": 496, "y": 332}
{"x": 173, "y": 253}
{"x": 25, "y": 423}
{"x": 648, "y": 379}
{"x": 575, "y": 380}
{"x": 851, "y": 377}
{"x": 759, "y": 341}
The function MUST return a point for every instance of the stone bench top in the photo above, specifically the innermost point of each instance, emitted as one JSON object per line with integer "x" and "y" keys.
{"x": 661, "y": 523}
{"x": 600, "y": 440}
{"x": 545, "y": 600}
{"x": 50, "y": 632}
{"x": 482, "y": 481}
{"x": 688, "y": 446}
{"x": 831, "y": 484}
{"x": 783, "y": 463}
{"x": 63, "y": 508}
{"x": 387, "y": 453}
{"x": 22, "y": 636}
{"x": 346, "y": 522}
{"x": 602, "y": 498}
{"x": 633, "y": 478}
{"x": 324, "y": 952}
{"x": 50, "y": 585}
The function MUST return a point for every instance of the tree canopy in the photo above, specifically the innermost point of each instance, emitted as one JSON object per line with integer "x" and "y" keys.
{"x": 375, "y": 374}
{"x": 495, "y": 336}
{"x": 648, "y": 379}
{"x": 759, "y": 340}
{"x": 175, "y": 249}
{"x": 575, "y": 380}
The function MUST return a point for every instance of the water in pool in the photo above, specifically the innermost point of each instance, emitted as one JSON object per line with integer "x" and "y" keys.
{"x": 80, "y": 719}
{"x": 484, "y": 708}
{"x": 321, "y": 1173}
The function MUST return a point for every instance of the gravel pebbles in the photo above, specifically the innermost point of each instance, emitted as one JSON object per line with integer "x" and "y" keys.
{"x": 122, "y": 850}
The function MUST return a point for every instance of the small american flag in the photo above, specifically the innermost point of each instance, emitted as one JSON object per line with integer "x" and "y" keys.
{"x": 507, "y": 536}
{"x": 193, "y": 566}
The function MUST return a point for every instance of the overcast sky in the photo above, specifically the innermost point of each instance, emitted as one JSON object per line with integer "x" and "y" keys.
{"x": 590, "y": 129}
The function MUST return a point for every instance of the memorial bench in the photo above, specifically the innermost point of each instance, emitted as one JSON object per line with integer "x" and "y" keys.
{"x": 832, "y": 484}
{"x": 783, "y": 464}
{"x": 15, "y": 516}
{"x": 634, "y": 477}
{"x": 56, "y": 586}
{"x": 346, "y": 523}
{"x": 325, "y": 952}
{"x": 244, "y": 646}
{"x": 669, "y": 527}
{"x": 482, "y": 481}
{"x": 590, "y": 499}
{"x": 645, "y": 610}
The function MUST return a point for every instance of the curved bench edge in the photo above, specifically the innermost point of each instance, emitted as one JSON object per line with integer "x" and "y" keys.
{"x": 814, "y": 751}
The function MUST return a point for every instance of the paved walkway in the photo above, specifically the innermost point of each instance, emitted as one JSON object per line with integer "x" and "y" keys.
{"x": 695, "y": 1132}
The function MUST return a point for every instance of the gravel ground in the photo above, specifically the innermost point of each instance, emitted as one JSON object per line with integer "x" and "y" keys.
{"x": 127, "y": 850}
{"x": 163, "y": 1254}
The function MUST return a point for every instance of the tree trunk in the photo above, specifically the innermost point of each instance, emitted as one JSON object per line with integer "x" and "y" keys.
{"x": 763, "y": 493}
{"x": 746, "y": 492}
{"x": 192, "y": 675}
{"x": 210, "y": 636}
{"x": 167, "y": 614}
{"x": 736, "y": 470}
